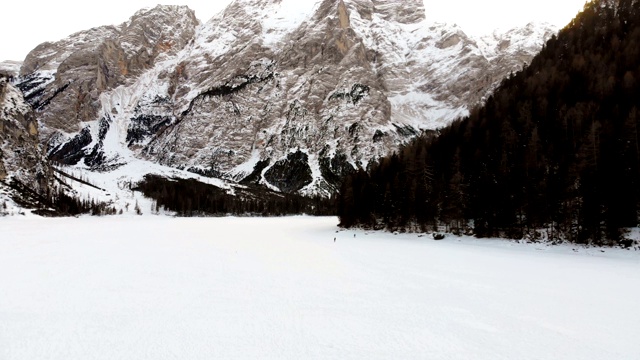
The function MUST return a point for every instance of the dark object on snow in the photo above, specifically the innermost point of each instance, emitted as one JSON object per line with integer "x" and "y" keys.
{"x": 626, "y": 243}
{"x": 438, "y": 236}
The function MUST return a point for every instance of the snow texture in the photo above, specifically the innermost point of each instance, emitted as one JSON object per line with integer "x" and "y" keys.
{"x": 115, "y": 187}
{"x": 165, "y": 288}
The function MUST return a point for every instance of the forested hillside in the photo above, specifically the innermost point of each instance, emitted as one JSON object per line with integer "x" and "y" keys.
{"x": 193, "y": 198}
{"x": 556, "y": 147}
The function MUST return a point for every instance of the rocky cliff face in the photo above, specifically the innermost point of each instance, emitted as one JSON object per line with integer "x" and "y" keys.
{"x": 63, "y": 80}
{"x": 21, "y": 158}
{"x": 287, "y": 94}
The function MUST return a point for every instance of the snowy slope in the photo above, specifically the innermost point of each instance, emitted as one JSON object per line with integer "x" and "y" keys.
{"x": 114, "y": 187}
{"x": 160, "y": 288}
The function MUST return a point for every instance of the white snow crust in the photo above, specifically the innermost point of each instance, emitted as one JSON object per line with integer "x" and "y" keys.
{"x": 284, "y": 17}
{"x": 244, "y": 288}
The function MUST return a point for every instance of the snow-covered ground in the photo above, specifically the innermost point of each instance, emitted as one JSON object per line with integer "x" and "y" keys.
{"x": 114, "y": 187}
{"x": 243, "y": 288}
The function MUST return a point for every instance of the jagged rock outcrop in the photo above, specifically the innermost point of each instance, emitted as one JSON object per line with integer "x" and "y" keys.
{"x": 21, "y": 158}
{"x": 326, "y": 85}
{"x": 63, "y": 80}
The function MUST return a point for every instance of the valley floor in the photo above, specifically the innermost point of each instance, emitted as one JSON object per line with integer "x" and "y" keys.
{"x": 245, "y": 288}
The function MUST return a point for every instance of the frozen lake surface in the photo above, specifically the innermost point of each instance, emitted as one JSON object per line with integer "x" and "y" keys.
{"x": 244, "y": 288}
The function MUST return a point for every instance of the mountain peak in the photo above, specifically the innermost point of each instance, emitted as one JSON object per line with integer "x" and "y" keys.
{"x": 163, "y": 8}
{"x": 171, "y": 13}
{"x": 265, "y": 91}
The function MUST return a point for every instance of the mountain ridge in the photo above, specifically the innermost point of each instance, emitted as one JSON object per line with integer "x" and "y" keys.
{"x": 345, "y": 83}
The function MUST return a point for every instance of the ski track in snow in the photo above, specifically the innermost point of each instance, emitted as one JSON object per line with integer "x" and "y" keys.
{"x": 210, "y": 288}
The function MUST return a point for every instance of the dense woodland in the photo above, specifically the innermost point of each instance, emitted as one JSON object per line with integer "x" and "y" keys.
{"x": 189, "y": 197}
{"x": 556, "y": 148}
{"x": 60, "y": 200}
{"x": 184, "y": 197}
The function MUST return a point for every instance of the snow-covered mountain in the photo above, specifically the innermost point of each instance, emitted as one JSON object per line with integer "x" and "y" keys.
{"x": 63, "y": 80}
{"x": 288, "y": 94}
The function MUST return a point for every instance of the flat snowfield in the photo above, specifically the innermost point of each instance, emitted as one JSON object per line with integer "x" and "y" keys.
{"x": 244, "y": 288}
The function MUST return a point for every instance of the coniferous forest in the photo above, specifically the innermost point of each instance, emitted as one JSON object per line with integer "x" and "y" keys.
{"x": 193, "y": 198}
{"x": 556, "y": 149}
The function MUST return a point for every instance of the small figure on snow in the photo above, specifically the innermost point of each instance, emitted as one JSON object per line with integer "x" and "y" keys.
{"x": 334, "y": 239}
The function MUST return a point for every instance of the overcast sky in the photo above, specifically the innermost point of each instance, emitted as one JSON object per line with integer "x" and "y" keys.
{"x": 25, "y": 23}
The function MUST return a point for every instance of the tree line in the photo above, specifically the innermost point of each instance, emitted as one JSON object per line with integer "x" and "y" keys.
{"x": 58, "y": 200}
{"x": 556, "y": 148}
{"x": 189, "y": 197}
